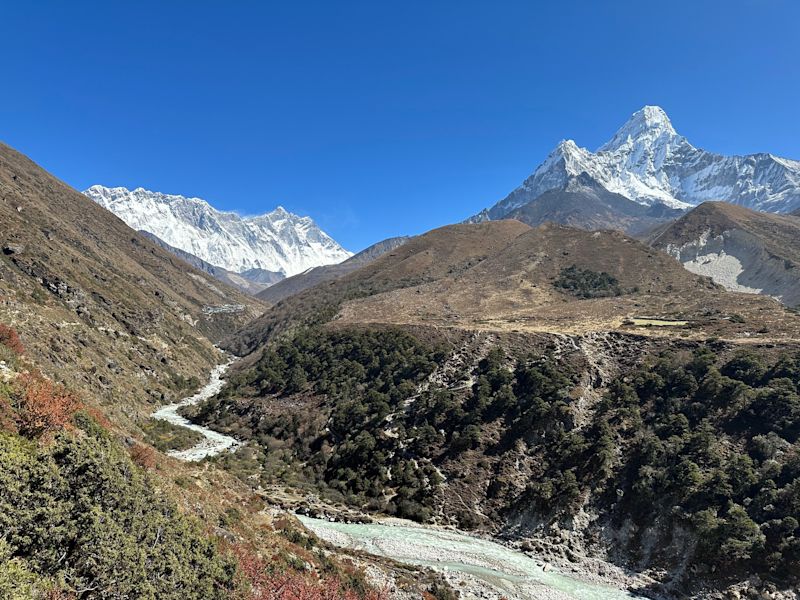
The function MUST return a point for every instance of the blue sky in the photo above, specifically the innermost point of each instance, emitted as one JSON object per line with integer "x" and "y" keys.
{"x": 379, "y": 118}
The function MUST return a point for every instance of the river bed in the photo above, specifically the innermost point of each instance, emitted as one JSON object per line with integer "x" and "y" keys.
{"x": 213, "y": 442}
{"x": 481, "y": 568}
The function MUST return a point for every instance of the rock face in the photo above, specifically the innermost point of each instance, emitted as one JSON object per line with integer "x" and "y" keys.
{"x": 648, "y": 162}
{"x": 278, "y": 241}
{"x": 251, "y": 281}
{"x": 743, "y": 250}
{"x": 585, "y": 204}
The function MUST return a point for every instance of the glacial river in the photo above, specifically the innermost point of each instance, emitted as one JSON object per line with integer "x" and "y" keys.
{"x": 488, "y": 569}
{"x": 213, "y": 442}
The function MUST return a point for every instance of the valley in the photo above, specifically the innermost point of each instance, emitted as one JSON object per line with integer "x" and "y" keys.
{"x": 540, "y": 406}
{"x": 400, "y": 301}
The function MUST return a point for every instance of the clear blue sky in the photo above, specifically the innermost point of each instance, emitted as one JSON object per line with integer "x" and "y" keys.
{"x": 379, "y": 118}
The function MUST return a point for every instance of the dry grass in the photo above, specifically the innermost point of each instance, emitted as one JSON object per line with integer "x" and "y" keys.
{"x": 513, "y": 290}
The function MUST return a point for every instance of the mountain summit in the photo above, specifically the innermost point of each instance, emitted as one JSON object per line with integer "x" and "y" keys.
{"x": 649, "y": 123}
{"x": 648, "y": 162}
{"x": 277, "y": 241}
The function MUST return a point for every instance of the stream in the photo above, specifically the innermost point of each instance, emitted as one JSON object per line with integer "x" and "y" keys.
{"x": 213, "y": 442}
{"x": 488, "y": 569}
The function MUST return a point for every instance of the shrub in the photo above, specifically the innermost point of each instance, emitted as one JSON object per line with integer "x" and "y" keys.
{"x": 143, "y": 455}
{"x": 78, "y": 512}
{"x": 261, "y": 582}
{"x": 585, "y": 283}
{"x": 42, "y": 407}
{"x": 10, "y": 339}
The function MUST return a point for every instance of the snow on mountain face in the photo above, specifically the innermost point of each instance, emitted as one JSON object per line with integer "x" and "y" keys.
{"x": 276, "y": 241}
{"x": 649, "y": 162}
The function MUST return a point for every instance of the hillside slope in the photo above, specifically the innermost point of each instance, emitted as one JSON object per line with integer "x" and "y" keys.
{"x": 741, "y": 249}
{"x": 542, "y": 281}
{"x": 428, "y": 257}
{"x": 99, "y": 305}
{"x": 302, "y": 281}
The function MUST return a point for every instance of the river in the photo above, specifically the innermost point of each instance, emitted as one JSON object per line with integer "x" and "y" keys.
{"x": 213, "y": 442}
{"x": 488, "y": 569}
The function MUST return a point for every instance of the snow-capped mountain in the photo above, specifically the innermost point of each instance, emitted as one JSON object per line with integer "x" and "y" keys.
{"x": 648, "y": 162}
{"x": 276, "y": 241}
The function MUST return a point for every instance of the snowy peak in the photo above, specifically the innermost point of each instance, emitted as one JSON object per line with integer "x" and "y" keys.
{"x": 277, "y": 241}
{"x": 645, "y": 125}
{"x": 647, "y": 161}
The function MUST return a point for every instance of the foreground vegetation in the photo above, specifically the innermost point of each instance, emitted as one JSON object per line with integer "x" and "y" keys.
{"x": 82, "y": 516}
{"x": 686, "y": 445}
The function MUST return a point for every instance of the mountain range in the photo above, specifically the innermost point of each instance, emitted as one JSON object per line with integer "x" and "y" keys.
{"x": 251, "y": 281}
{"x": 278, "y": 241}
{"x": 587, "y": 396}
{"x": 649, "y": 163}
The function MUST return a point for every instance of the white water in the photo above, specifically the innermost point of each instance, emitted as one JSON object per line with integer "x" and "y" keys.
{"x": 486, "y": 566}
{"x": 213, "y": 442}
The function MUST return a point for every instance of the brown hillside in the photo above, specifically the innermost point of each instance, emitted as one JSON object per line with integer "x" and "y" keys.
{"x": 515, "y": 289}
{"x": 97, "y": 304}
{"x": 766, "y": 247}
{"x": 718, "y": 217}
{"x": 439, "y": 253}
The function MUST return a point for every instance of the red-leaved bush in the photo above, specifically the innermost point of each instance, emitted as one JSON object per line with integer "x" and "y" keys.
{"x": 10, "y": 339}
{"x": 99, "y": 416}
{"x": 143, "y": 455}
{"x": 42, "y": 407}
{"x": 265, "y": 585}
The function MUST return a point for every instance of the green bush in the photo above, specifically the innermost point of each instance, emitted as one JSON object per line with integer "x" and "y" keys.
{"x": 585, "y": 283}
{"x": 80, "y": 512}
{"x": 165, "y": 437}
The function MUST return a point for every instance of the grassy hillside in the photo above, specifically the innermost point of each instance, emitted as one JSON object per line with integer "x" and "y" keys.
{"x": 517, "y": 288}
{"x": 426, "y": 258}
